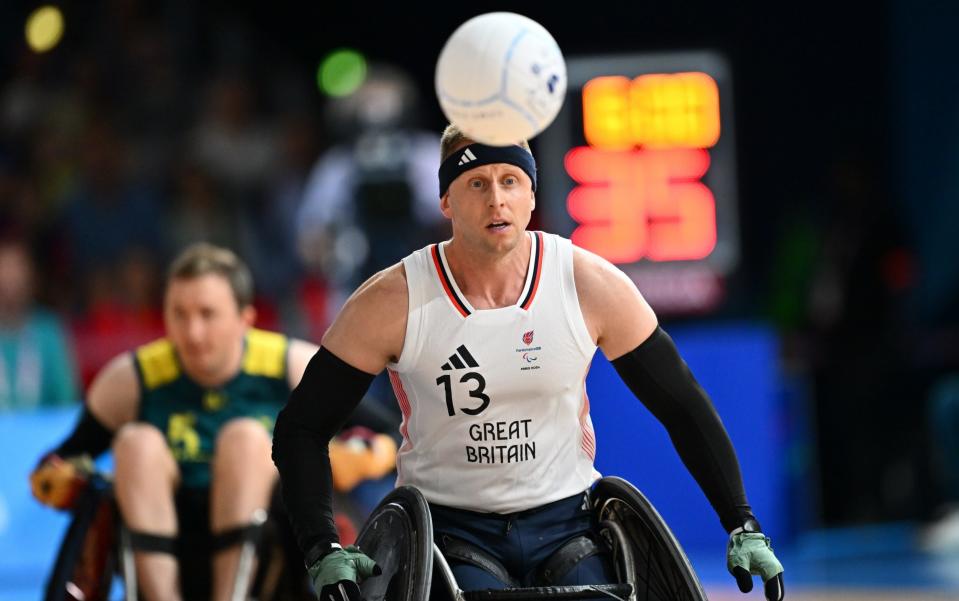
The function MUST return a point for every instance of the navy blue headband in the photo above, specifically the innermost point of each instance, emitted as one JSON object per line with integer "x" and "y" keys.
{"x": 477, "y": 154}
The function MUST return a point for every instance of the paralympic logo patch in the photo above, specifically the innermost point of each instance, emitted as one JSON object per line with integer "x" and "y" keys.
{"x": 528, "y": 351}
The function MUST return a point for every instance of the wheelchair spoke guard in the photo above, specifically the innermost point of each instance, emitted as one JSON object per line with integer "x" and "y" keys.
{"x": 399, "y": 536}
{"x": 662, "y": 570}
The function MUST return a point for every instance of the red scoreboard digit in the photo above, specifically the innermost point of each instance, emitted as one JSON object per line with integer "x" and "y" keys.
{"x": 646, "y": 146}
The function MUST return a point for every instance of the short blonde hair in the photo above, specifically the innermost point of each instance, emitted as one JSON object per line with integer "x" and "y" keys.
{"x": 453, "y": 139}
{"x": 202, "y": 258}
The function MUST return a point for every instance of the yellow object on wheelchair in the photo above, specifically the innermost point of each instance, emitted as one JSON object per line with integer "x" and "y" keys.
{"x": 59, "y": 482}
{"x": 356, "y": 459}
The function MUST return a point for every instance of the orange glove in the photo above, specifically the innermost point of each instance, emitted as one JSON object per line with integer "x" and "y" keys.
{"x": 59, "y": 482}
{"x": 359, "y": 458}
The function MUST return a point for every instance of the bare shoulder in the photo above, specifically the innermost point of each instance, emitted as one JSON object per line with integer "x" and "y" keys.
{"x": 298, "y": 356}
{"x": 368, "y": 333}
{"x": 601, "y": 285}
{"x": 383, "y": 296}
{"x": 594, "y": 274}
{"x": 114, "y": 395}
{"x": 388, "y": 284}
{"x": 616, "y": 314}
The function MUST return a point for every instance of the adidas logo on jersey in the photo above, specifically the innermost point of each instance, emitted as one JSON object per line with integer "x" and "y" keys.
{"x": 458, "y": 358}
{"x": 468, "y": 157}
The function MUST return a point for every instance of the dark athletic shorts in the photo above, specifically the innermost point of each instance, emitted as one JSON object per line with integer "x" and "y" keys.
{"x": 521, "y": 541}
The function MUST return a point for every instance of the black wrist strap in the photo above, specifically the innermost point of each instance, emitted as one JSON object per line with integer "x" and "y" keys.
{"x": 750, "y": 525}
{"x": 318, "y": 552}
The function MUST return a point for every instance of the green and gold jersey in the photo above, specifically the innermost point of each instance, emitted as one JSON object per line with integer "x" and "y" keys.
{"x": 191, "y": 415}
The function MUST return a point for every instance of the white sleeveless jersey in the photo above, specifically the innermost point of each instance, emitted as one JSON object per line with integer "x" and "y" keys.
{"x": 495, "y": 412}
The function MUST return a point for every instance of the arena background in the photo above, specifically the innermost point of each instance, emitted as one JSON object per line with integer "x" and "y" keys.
{"x": 828, "y": 345}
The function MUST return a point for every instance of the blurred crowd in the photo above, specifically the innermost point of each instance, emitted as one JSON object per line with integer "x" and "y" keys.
{"x": 140, "y": 135}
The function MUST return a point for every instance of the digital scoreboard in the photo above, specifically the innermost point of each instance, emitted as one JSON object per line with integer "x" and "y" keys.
{"x": 639, "y": 167}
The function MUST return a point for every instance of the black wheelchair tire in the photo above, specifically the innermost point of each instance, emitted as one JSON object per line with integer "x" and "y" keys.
{"x": 405, "y": 509}
{"x": 71, "y": 572}
{"x": 667, "y": 572}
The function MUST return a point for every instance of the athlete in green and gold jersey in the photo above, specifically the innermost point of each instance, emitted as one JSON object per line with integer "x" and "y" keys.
{"x": 189, "y": 412}
{"x": 191, "y": 415}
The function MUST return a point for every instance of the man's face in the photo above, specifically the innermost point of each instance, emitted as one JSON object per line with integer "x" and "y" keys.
{"x": 15, "y": 279}
{"x": 490, "y": 206}
{"x": 205, "y": 324}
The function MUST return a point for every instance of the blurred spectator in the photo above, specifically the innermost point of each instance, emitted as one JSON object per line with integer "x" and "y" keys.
{"x": 196, "y": 213}
{"x": 36, "y": 368}
{"x": 108, "y": 215}
{"x": 267, "y": 232}
{"x": 373, "y": 197}
{"x": 231, "y": 142}
{"x": 23, "y": 99}
{"x": 155, "y": 116}
{"x": 123, "y": 311}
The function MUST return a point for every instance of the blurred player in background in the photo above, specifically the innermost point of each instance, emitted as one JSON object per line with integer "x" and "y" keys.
{"x": 189, "y": 418}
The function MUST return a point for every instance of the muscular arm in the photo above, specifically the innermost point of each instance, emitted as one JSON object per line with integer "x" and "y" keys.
{"x": 370, "y": 414}
{"x": 625, "y": 327}
{"x": 366, "y": 335}
{"x": 617, "y": 316}
{"x": 112, "y": 401}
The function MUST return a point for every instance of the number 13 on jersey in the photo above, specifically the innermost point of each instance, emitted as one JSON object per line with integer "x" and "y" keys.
{"x": 477, "y": 392}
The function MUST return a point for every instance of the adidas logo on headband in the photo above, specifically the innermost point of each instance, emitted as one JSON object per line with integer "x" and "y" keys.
{"x": 467, "y": 157}
{"x": 454, "y": 166}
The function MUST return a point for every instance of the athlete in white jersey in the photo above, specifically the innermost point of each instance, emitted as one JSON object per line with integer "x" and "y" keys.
{"x": 488, "y": 337}
{"x": 496, "y": 417}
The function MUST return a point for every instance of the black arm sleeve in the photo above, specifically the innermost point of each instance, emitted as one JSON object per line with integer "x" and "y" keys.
{"x": 89, "y": 436}
{"x": 317, "y": 409}
{"x": 660, "y": 378}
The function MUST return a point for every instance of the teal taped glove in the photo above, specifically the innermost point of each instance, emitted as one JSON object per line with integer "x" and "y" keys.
{"x": 336, "y": 577}
{"x": 749, "y": 554}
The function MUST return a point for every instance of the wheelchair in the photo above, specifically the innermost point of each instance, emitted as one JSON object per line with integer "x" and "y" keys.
{"x": 648, "y": 560}
{"x": 97, "y": 547}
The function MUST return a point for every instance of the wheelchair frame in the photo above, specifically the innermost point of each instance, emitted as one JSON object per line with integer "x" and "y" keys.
{"x": 649, "y": 561}
{"x": 75, "y": 578}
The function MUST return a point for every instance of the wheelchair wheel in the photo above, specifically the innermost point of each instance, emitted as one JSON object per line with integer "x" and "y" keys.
{"x": 661, "y": 569}
{"x": 87, "y": 558}
{"x": 399, "y": 536}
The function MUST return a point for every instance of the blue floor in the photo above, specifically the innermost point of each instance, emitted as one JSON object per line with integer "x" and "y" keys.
{"x": 868, "y": 557}
{"x": 873, "y": 558}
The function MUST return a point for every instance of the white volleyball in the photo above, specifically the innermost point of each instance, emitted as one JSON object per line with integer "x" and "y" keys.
{"x": 501, "y": 78}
